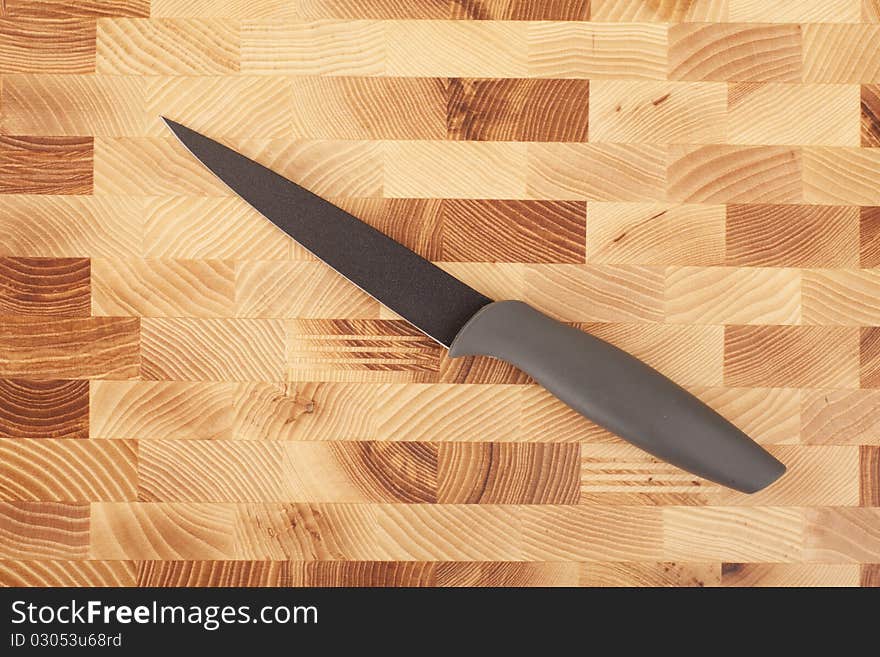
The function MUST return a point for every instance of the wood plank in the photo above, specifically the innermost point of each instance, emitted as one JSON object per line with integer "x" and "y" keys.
{"x": 792, "y": 236}
{"x": 45, "y": 165}
{"x": 160, "y": 531}
{"x": 81, "y": 347}
{"x": 797, "y": 356}
{"x": 517, "y": 109}
{"x": 44, "y": 409}
{"x": 497, "y": 49}
{"x": 506, "y": 573}
{"x": 360, "y": 350}
{"x": 513, "y": 231}
{"x": 157, "y": 409}
{"x": 62, "y": 470}
{"x": 258, "y": 471}
{"x": 663, "y": 11}
{"x": 596, "y": 172}
{"x": 35, "y": 45}
{"x": 212, "y": 573}
{"x": 137, "y": 46}
{"x": 446, "y": 412}
{"x": 805, "y": 11}
{"x": 306, "y": 532}
{"x": 655, "y": 234}
{"x": 870, "y": 115}
{"x": 191, "y": 227}
{"x": 735, "y": 174}
{"x": 324, "y": 47}
{"x": 44, "y": 530}
{"x": 842, "y": 535}
{"x": 869, "y": 357}
{"x": 788, "y": 574}
{"x": 604, "y": 293}
{"x": 841, "y": 297}
{"x": 644, "y": 111}
{"x": 65, "y": 8}
{"x": 367, "y": 108}
{"x": 869, "y": 479}
{"x": 596, "y": 50}
{"x": 183, "y": 349}
{"x": 760, "y": 113}
{"x": 70, "y": 226}
{"x": 193, "y": 101}
{"x": 869, "y": 237}
{"x": 44, "y": 286}
{"x": 747, "y": 535}
{"x": 437, "y": 169}
{"x": 732, "y": 52}
{"x": 841, "y": 53}
{"x": 487, "y": 473}
{"x": 569, "y": 533}
{"x": 163, "y": 288}
{"x": 520, "y": 10}
{"x": 841, "y": 176}
{"x": 650, "y": 574}
{"x": 841, "y": 417}
{"x": 295, "y": 289}
{"x": 622, "y": 475}
{"x": 45, "y": 573}
{"x": 72, "y": 105}
{"x": 731, "y": 295}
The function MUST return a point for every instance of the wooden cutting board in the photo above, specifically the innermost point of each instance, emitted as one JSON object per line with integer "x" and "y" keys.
{"x": 188, "y": 398}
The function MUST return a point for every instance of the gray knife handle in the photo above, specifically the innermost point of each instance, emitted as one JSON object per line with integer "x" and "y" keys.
{"x": 619, "y": 392}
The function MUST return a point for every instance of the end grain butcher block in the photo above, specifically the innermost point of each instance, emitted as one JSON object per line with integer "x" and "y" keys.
{"x": 188, "y": 398}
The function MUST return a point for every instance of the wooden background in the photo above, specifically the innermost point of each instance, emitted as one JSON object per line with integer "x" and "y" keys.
{"x": 188, "y": 398}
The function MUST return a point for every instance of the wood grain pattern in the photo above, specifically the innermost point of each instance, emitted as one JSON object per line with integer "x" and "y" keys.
{"x": 507, "y": 474}
{"x": 220, "y": 349}
{"x": 757, "y": 110}
{"x": 44, "y": 530}
{"x": 512, "y": 10}
{"x": 190, "y": 398}
{"x": 869, "y": 357}
{"x": 67, "y": 573}
{"x": 134, "y": 46}
{"x": 44, "y": 286}
{"x": 663, "y": 11}
{"x": 44, "y": 409}
{"x": 796, "y": 356}
{"x": 841, "y": 53}
{"x": 840, "y": 417}
{"x": 729, "y": 52}
{"x": 517, "y": 110}
{"x": 870, "y": 106}
{"x": 64, "y": 8}
{"x": 641, "y": 111}
{"x": 869, "y": 237}
{"x": 84, "y": 347}
{"x": 35, "y": 45}
{"x": 596, "y": 50}
{"x": 163, "y": 288}
{"x": 869, "y": 480}
{"x": 731, "y": 174}
{"x": 655, "y": 234}
{"x": 792, "y": 236}
{"x": 68, "y": 470}
{"x": 73, "y": 105}
{"x": 45, "y": 165}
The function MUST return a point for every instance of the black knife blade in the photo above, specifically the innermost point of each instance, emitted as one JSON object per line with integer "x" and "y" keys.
{"x": 603, "y": 383}
{"x": 426, "y": 296}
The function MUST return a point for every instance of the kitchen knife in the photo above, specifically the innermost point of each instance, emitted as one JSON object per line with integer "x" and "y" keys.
{"x": 603, "y": 383}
